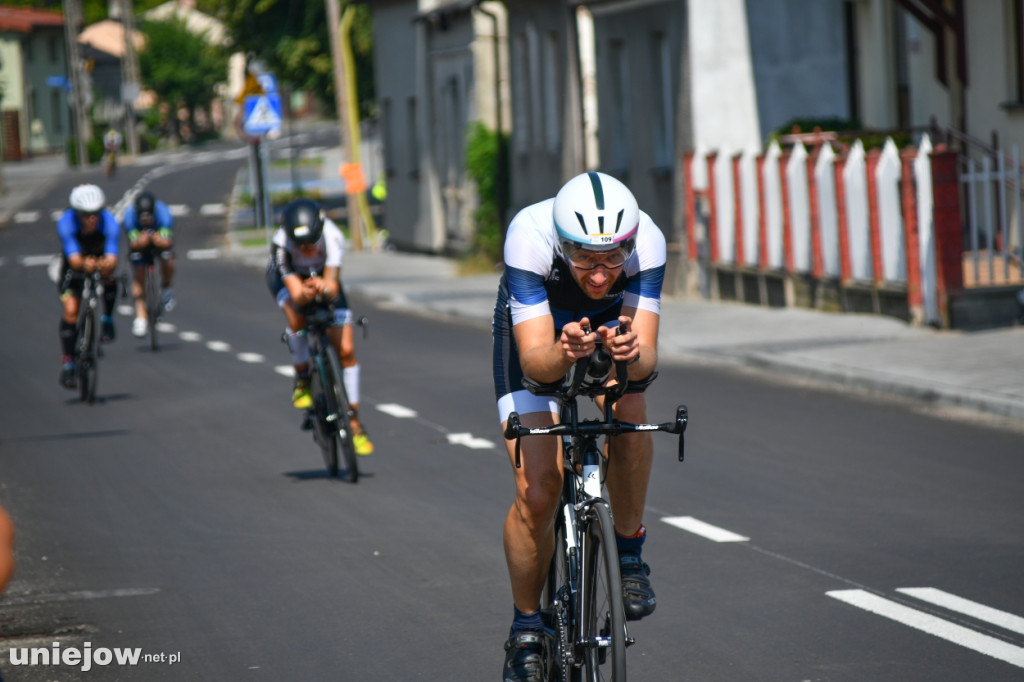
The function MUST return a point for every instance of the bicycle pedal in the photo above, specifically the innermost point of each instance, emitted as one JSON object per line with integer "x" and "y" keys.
{"x": 630, "y": 641}
{"x": 307, "y": 422}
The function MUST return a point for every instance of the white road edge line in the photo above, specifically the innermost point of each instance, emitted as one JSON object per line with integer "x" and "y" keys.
{"x": 705, "y": 530}
{"x": 933, "y": 625}
{"x": 932, "y": 595}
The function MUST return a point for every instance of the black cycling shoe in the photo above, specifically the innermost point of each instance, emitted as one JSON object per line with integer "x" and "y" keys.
{"x": 67, "y": 376}
{"x": 528, "y": 656}
{"x": 637, "y": 596}
{"x": 109, "y": 333}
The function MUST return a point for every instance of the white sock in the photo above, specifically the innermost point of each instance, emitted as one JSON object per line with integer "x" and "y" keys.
{"x": 298, "y": 344}
{"x": 350, "y": 375}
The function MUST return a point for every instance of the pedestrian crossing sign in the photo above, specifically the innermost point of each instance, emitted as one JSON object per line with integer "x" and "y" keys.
{"x": 262, "y": 114}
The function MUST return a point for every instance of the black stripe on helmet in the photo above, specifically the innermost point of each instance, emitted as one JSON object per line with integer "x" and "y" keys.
{"x": 595, "y": 182}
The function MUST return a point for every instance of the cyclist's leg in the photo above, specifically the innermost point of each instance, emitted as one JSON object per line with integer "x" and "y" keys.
{"x": 629, "y": 471}
{"x": 70, "y": 297}
{"x": 528, "y": 533}
{"x": 139, "y": 262}
{"x": 298, "y": 342}
{"x": 167, "y": 267}
{"x": 343, "y": 338}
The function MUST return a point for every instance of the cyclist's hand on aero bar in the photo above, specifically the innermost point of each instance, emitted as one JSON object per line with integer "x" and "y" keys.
{"x": 577, "y": 340}
{"x": 621, "y": 342}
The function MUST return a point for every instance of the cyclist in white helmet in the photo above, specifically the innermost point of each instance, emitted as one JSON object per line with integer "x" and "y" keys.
{"x": 89, "y": 237}
{"x": 576, "y": 267}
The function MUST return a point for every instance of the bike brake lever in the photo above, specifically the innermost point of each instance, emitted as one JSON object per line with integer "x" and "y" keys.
{"x": 682, "y": 417}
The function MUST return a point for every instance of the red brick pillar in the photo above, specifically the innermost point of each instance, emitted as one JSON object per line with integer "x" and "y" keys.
{"x": 690, "y": 199}
{"x": 817, "y": 257}
{"x": 845, "y": 266}
{"x": 737, "y": 211}
{"x": 762, "y": 215}
{"x": 787, "y": 222}
{"x": 948, "y": 228}
{"x": 908, "y": 203}
{"x": 712, "y": 208}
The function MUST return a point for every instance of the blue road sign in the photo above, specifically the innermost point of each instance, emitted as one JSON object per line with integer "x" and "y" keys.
{"x": 58, "y": 82}
{"x": 262, "y": 114}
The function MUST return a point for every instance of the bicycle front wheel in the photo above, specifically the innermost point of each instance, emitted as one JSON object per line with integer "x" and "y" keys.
{"x": 152, "y": 290}
{"x": 324, "y": 432}
{"x": 556, "y": 600}
{"x": 87, "y": 362}
{"x": 602, "y": 633}
{"x": 343, "y": 411}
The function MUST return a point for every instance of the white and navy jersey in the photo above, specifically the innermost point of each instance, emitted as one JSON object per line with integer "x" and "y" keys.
{"x": 540, "y": 282}
{"x": 287, "y": 259}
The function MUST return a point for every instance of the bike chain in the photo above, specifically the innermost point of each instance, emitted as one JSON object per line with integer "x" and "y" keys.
{"x": 559, "y": 608}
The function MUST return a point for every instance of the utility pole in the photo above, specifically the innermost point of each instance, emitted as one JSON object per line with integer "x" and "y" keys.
{"x": 79, "y": 82}
{"x": 129, "y": 77}
{"x": 355, "y": 222}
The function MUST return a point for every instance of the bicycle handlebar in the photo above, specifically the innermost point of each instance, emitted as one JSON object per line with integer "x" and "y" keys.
{"x": 574, "y": 384}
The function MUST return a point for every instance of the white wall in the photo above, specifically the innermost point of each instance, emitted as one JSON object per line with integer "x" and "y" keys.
{"x": 724, "y": 103}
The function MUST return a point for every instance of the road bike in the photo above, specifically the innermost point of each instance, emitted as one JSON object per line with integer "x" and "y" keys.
{"x": 331, "y": 415}
{"x": 583, "y": 591}
{"x": 88, "y": 350}
{"x": 152, "y": 296}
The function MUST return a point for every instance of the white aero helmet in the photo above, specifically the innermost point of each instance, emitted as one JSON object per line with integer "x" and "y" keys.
{"x": 596, "y": 212}
{"x": 87, "y": 198}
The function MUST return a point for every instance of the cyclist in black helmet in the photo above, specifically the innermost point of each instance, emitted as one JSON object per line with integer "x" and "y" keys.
{"x": 149, "y": 227}
{"x": 305, "y": 263}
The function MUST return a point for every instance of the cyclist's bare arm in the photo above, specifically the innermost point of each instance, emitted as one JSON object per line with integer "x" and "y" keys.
{"x": 328, "y": 284}
{"x": 301, "y": 291}
{"x": 638, "y": 346}
{"x": 545, "y": 360}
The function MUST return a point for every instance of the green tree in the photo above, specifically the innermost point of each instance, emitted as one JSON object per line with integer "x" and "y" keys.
{"x": 292, "y": 38}
{"x": 182, "y": 68}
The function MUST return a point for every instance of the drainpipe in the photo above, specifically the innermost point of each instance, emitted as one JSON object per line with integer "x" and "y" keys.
{"x": 501, "y": 162}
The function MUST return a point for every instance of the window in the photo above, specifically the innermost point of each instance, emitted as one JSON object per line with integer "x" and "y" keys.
{"x": 51, "y": 48}
{"x": 552, "y": 132}
{"x": 1017, "y": 70}
{"x": 522, "y": 129}
{"x": 662, "y": 106}
{"x": 414, "y": 139}
{"x": 386, "y": 138}
{"x": 56, "y": 111}
{"x": 619, "y": 75}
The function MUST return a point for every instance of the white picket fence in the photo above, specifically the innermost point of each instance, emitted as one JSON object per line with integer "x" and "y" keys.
{"x": 855, "y": 179}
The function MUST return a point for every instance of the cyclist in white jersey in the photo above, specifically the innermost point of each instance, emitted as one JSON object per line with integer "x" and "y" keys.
{"x": 576, "y": 267}
{"x": 305, "y": 264}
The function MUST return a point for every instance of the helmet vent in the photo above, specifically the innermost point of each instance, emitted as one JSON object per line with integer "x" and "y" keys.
{"x": 618, "y": 220}
{"x": 579, "y": 217}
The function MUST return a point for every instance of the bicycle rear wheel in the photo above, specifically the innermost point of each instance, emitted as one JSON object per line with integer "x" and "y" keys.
{"x": 87, "y": 362}
{"x": 323, "y": 428}
{"x": 152, "y": 290}
{"x": 343, "y": 411}
{"x": 603, "y": 622}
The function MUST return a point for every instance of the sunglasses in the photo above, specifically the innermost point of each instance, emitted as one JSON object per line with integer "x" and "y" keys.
{"x": 586, "y": 259}
{"x": 88, "y": 214}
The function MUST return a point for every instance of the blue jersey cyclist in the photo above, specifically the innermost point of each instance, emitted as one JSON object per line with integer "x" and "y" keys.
{"x": 576, "y": 267}
{"x": 89, "y": 239}
{"x": 305, "y": 266}
{"x": 148, "y": 225}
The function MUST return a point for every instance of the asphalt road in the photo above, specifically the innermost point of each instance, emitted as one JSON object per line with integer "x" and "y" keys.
{"x": 186, "y": 515}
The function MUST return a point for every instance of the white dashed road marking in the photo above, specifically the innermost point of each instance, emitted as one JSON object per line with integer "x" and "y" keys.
{"x": 190, "y": 336}
{"x": 705, "y": 530}
{"x": 470, "y": 441}
{"x": 202, "y": 254}
{"x": 253, "y": 358}
{"x": 218, "y": 346}
{"x": 32, "y": 261}
{"x": 285, "y": 370}
{"x": 397, "y": 411}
